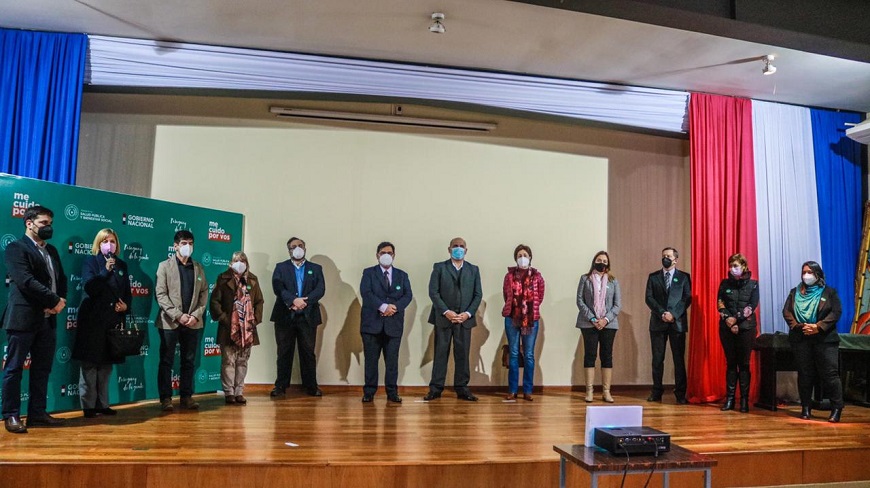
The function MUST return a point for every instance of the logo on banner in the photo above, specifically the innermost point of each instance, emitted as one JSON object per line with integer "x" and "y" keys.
{"x": 6, "y": 356}
{"x": 73, "y": 212}
{"x": 70, "y": 390}
{"x": 72, "y": 318}
{"x": 130, "y": 383}
{"x": 76, "y": 280}
{"x": 202, "y": 376}
{"x": 135, "y": 253}
{"x": 6, "y": 240}
{"x": 179, "y": 224}
{"x": 138, "y": 289}
{"x": 210, "y": 347}
{"x": 63, "y": 354}
{"x": 217, "y": 233}
{"x": 20, "y": 203}
{"x": 79, "y": 248}
{"x": 206, "y": 259}
{"x": 176, "y": 381}
{"x": 132, "y": 220}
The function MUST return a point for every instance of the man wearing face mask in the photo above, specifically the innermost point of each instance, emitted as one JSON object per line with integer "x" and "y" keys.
{"x": 455, "y": 290}
{"x": 298, "y": 285}
{"x": 668, "y": 296}
{"x": 386, "y": 292}
{"x": 182, "y": 295}
{"x": 37, "y": 293}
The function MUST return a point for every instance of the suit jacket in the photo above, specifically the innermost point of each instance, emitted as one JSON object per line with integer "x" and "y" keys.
{"x": 586, "y": 303}
{"x": 222, "y": 304}
{"x": 284, "y": 286}
{"x": 167, "y": 290}
{"x": 102, "y": 290}
{"x": 30, "y": 285}
{"x": 375, "y": 293}
{"x": 676, "y": 300}
{"x": 450, "y": 289}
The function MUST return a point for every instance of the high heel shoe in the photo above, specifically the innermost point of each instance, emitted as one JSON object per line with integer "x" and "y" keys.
{"x": 806, "y": 413}
{"x": 835, "y": 415}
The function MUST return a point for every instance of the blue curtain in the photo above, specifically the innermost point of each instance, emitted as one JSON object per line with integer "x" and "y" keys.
{"x": 41, "y": 78}
{"x": 839, "y": 188}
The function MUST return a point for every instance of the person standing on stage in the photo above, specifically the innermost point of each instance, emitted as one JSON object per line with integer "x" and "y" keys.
{"x": 37, "y": 293}
{"x": 737, "y": 301}
{"x": 105, "y": 304}
{"x": 237, "y": 306}
{"x": 455, "y": 290}
{"x": 386, "y": 293}
{"x": 599, "y": 299}
{"x": 182, "y": 295}
{"x": 298, "y": 285}
{"x": 523, "y": 291}
{"x": 811, "y": 311}
{"x": 668, "y": 296}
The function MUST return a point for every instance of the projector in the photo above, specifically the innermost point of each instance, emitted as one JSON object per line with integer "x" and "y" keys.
{"x": 632, "y": 440}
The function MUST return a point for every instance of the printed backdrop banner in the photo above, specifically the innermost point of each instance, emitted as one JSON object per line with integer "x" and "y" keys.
{"x": 145, "y": 228}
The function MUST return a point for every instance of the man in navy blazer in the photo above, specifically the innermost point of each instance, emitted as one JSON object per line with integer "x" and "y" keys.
{"x": 455, "y": 290}
{"x": 298, "y": 285}
{"x": 37, "y": 293}
{"x": 668, "y": 296}
{"x": 386, "y": 293}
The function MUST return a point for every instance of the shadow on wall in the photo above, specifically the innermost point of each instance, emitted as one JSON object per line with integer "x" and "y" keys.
{"x": 476, "y": 366}
{"x": 404, "y": 349}
{"x": 348, "y": 344}
{"x": 339, "y": 296}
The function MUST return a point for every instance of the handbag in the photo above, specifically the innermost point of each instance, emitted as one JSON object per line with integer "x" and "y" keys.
{"x": 124, "y": 342}
{"x": 506, "y": 356}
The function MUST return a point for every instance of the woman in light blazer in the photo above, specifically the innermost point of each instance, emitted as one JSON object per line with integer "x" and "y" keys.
{"x": 599, "y": 300}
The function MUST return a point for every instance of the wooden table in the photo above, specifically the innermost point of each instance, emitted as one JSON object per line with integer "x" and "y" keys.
{"x": 600, "y": 462}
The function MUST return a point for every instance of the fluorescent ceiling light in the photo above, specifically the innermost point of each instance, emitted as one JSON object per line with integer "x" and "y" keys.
{"x": 298, "y": 113}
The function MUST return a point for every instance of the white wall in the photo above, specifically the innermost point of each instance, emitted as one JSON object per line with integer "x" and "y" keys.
{"x": 345, "y": 191}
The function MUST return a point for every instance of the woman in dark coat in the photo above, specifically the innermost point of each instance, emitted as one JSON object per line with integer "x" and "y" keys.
{"x": 105, "y": 303}
{"x": 811, "y": 311}
{"x": 737, "y": 301}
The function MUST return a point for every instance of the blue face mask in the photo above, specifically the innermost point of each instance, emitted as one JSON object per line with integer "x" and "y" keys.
{"x": 457, "y": 253}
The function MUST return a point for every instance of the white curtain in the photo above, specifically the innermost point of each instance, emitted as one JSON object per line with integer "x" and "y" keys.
{"x": 114, "y": 61}
{"x": 788, "y": 212}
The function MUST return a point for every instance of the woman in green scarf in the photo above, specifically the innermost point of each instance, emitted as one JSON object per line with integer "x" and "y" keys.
{"x": 811, "y": 311}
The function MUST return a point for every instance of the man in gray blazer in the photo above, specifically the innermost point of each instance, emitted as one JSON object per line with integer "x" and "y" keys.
{"x": 182, "y": 295}
{"x": 455, "y": 290}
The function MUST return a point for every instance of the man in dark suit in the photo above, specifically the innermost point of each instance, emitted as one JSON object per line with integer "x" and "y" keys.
{"x": 37, "y": 293}
{"x": 455, "y": 290}
{"x": 298, "y": 285}
{"x": 386, "y": 293}
{"x": 668, "y": 296}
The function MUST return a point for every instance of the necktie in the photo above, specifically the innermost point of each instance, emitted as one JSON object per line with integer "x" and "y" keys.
{"x": 668, "y": 280}
{"x": 387, "y": 279}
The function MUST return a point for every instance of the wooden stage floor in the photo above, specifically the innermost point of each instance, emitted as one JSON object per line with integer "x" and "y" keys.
{"x": 338, "y": 441}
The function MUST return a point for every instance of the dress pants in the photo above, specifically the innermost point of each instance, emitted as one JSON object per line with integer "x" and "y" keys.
{"x": 658, "y": 341}
{"x": 288, "y": 334}
{"x": 94, "y": 385}
{"x": 40, "y": 344}
{"x": 373, "y": 346}
{"x": 234, "y": 368}
{"x": 818, "y": 361}
{"x": 461, "y": 339}
{"x": 189, "y": 340}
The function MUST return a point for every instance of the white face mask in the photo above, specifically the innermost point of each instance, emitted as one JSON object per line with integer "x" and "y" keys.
{"x": 810, "y": 279}
{"x": 239, "y": 267}
{"x": 523, "y": 262}
{"x": 386, "y": 260}
{"x": 185, "y": 251}
{"x": 298, "y": 253}
{"x": 737, "y": 271}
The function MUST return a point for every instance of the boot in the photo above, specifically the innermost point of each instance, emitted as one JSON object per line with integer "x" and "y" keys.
{"x": 730, "y": 390}
{"x": 835, "y": 415}
{"x": 806, "y": 413}
{"x": 744, "y": 390}
{"x": 590, "y": 378}
{"x": 606, "y": 377}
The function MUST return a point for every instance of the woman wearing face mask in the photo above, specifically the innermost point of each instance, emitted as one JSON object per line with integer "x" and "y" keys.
{"x": 105, "y": 302}
{"x": 737, "y": 301}
{"x": 599, "y": 300}
{"x": 523, "y": 293}
{"x": 237, "y": 306}
{"x": 811, "y": 311}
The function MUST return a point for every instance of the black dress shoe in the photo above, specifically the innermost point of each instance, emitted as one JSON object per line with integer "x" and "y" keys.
{"x": 107, "y": 411}
{"x": 431, "y": 396}
{"x": 835, "y": 415}
{"x": 394, "y": 398}
{"x": 682, "y": 401}
{"x": 14, "y": 425}
{"x": 806, "y": 413}
{"x": 367, "y": 398}
{"x": 467, "y": 396}
{"x": 89, "y": 412}
{"x": 654, "y": 398}
{"x": 44, "y": 420}
{"x": 277, "y": 392}
{"x": 315, "y": 392}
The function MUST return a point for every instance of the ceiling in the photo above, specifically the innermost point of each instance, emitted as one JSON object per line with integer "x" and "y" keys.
{"x": 485, "y": 34}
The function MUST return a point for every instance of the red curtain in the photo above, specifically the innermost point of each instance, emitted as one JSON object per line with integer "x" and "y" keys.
{"x": 723, "y": 223}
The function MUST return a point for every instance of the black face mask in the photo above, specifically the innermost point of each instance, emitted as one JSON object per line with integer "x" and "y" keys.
{"x": 600, "y": 267}
{"x": 666, "y": 262}
{"x": 45, "y": 232}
